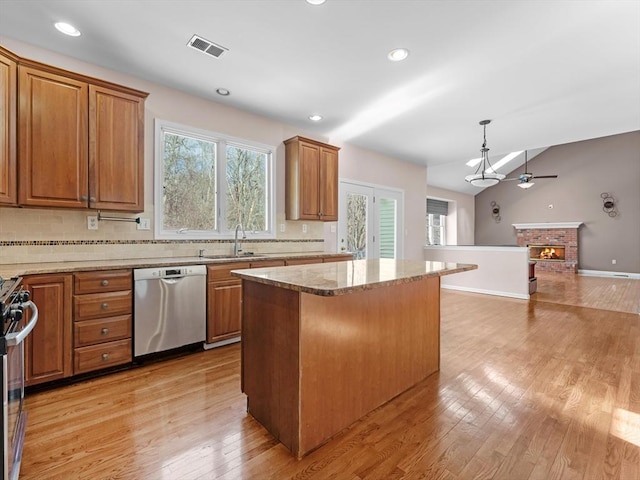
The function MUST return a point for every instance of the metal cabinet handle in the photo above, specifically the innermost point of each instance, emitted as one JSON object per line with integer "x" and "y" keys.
{"x": 84, "y": 198}
{"x": 105, "y": 356}
{"x": 104, "y": 283}
{"x": 105, "y": 305}
{"x": 104, "y": 331}
{"x": 92, "y": 199}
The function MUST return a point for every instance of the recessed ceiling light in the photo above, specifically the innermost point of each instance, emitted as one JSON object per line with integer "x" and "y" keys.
{"x": 223, "y": 91}
{"x": 398, "y": 54}
{"x": 315, "y": 2}
{"x": 67, "y": 29}
{"x": 315, "y": 118}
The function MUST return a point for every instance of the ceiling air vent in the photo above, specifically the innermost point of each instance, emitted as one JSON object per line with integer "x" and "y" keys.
{"x": 206, "y": 46}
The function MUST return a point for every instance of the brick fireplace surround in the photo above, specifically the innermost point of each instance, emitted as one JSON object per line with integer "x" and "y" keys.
{"x": 552, "y": 234}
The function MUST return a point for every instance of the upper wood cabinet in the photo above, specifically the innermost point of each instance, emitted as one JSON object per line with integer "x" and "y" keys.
{"x": 80, "y": 141}
{"x": 116, "y": 156}
{"x": 54, "y": 149}
{"x": 311, "y": 191}
{"x": 8, "y": 102}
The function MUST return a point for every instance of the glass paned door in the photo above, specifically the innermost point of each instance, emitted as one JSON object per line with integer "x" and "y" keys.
{"x": 370, "y": 223}
{"x": 355, "y": 228}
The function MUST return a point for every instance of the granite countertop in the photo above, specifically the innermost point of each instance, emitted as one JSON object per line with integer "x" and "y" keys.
{"x": 339, "y": 278}
{"x": 21, "y": 269}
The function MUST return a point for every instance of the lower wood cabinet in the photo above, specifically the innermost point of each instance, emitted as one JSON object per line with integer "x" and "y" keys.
{"x": 49, "y": 347}
{"x": 102, "y": 319}
{"x": 224, "y": 301}
{"x": 224, "y": 298}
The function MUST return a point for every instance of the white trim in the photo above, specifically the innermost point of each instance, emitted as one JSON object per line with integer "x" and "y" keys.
{"x": 602, "y": 273}
{"x": 475, "y": 248}
{"x": 530, "y": 226}
{"x": 487, "y": 292}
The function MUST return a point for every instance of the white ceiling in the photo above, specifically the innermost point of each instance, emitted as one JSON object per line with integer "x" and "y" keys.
{"x": 545, "y": 72}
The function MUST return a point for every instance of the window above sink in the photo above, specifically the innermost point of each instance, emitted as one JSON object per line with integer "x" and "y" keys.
{"x": 206, "y": 183}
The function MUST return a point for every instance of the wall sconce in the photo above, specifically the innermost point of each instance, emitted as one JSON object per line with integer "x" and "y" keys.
{"x": 495, "y": 212}
{"x": 608, "y": 204}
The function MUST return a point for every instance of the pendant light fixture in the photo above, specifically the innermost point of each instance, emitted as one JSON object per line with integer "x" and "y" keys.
{"x": 485, "y": 175}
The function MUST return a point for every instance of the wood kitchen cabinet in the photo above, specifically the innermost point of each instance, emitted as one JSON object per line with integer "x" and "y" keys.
{"x": 224, "y": 298}
{"x": 311, "y": 188}
{"x": 8, "y": 102}
{"x": 224, "y": 301}
{"x": 80, "y": 141}
{"x": 49, "y": 347}
{"x": 302, "y": 261}
{"x": 102, "y": 319}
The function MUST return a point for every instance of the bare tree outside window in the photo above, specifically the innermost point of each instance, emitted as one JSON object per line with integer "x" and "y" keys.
{"x": 246, "y": 189}
{"x": 357, "y": 225}
{"x": 189, "y": 184}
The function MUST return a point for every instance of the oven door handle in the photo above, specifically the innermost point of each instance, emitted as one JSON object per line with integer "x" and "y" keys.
{"x": 16, "y": 338}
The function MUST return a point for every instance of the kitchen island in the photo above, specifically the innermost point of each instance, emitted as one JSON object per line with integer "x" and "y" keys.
{"x": 324, "y": 344}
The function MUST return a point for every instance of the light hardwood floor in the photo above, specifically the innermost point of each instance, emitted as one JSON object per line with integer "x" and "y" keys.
{"x": 526, "y": 390}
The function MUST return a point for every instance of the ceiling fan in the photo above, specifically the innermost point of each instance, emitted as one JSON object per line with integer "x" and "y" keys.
{"x": 526, "y": 177}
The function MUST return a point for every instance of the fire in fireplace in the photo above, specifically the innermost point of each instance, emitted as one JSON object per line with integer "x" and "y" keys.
{"x": 553, "y": 253}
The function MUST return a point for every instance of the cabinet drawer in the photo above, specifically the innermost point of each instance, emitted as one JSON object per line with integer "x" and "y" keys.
{"x": 341, "y": 258}
{"x": 103, "y": 281}
{"x": 103, "y": 355}
{"x": 303, "y": 261}
{"x": 101, "y": 330}
{"x": 267, "y": 263}
{"x": 223, "y": 272}
{"x": 98, "y": 305}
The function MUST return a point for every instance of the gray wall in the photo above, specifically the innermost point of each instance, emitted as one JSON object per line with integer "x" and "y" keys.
{"x": 585, "y": 170}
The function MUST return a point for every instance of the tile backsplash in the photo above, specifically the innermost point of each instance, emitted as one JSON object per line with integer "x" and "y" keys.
{"x": 41, "y": 235}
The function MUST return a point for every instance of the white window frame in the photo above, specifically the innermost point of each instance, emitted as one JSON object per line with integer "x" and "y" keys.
{"x": 442, "y": 228}
{"x": 221, "y": 141}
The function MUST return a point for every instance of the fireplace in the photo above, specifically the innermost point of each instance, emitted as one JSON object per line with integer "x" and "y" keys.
{"x": 553, "y": 246}
{"x": 550, "y": 253}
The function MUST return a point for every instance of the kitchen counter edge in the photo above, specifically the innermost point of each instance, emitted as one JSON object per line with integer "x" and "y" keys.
{"x": 22, "y": 269}
{"x": 313, "y": 278}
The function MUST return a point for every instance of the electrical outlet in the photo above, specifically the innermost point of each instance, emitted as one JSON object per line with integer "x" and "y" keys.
{"x": 613, "y": 262}
{"x": 333, "y": 228}
{"x": 92, "y": 222}
{"x": 304, "y": 228}
{"x": 281, "y": 227}
{"x": 145, "y": 224}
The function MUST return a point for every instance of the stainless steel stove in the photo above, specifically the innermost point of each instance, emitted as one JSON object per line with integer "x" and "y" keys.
{"x": 18, "y": 317}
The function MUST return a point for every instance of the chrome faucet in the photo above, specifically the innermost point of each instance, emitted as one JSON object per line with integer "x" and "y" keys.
{"x": 236, "y": 248}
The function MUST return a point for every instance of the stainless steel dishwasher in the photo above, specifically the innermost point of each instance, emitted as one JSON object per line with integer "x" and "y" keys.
{"x": 170, "y": 306}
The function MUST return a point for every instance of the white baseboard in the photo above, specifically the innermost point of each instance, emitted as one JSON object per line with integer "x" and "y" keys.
{"x": 602, "y": 273}
{"x": 488, "y": 292}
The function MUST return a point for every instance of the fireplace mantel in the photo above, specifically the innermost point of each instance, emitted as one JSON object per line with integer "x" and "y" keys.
{"x": 537, "y": 226}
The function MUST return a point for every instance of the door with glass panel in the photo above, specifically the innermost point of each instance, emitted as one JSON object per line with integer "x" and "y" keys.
{"x": 370, "y": 222}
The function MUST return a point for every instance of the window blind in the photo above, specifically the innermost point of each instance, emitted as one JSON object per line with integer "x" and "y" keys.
{"x": 437, "y": 207}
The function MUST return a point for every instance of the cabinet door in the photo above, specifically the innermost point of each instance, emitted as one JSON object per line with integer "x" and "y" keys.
{"x": 309, "y": 181}
{"x": 328, "y": 190}
{"x": 116, "y": 159}
{"x": 48, "y": 349}
{"x": 53, "y": 131}
{"x": 224, "y": 310}
{"x": 8, "y": 90}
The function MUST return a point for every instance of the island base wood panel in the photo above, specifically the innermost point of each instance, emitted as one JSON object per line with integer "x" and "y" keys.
{"x": 312, "y": 365}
